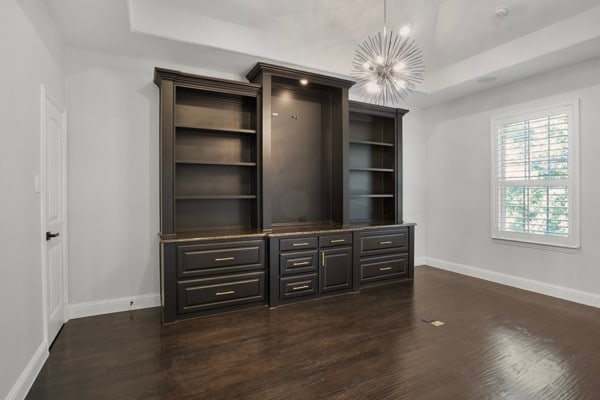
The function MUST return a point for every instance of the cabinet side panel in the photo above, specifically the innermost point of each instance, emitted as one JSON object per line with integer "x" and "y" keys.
{"x": 340, "y": 135}
{"x": 169, "y": 283}
{"x": 411, "y": 252}
{"x": 399, "y": 171}
{"x": 266, "y": 165}
{"x": 273, "y": 272}
{"x": 167, "y": 206}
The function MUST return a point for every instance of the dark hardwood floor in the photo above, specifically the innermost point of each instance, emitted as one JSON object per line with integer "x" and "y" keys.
{"x": 497, "y": 343}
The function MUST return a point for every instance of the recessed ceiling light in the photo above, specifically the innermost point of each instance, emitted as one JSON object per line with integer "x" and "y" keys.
{"x": 501, "y": 12}
{"x": 405, "y": 30}
{"x": 304, "y": 81}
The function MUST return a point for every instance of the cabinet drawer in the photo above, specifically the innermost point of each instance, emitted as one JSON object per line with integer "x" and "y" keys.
{"x": 384, "y": 241}
{"x": 298, "y": 243}
{"x": 219, "y": 258}
{"x": 383, "y": 267}
{"x": 335, "y": 240}
{"x": 298, "y": 262}
{"x": 205, "y": 294}
{"x": 299, "y": 285}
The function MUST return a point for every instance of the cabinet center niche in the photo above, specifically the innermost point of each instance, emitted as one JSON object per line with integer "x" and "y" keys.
{"x": 300, "y": 153}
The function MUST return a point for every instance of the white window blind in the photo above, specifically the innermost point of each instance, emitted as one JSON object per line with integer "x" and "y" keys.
{"x": 534, "y": 170}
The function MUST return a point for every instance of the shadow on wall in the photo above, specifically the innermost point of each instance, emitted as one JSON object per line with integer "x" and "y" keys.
{"x": 564, "y": 80}
{"x": 151, "y": 273}
{"x": 41, "y": 21}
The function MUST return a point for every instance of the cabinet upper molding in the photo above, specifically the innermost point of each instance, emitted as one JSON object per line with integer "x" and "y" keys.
{"x": 358, "y": 106}
{"x": 296, "y": 74}
{"x": 205, "y": 82}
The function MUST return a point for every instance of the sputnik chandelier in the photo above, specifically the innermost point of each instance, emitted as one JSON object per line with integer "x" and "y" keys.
{"x": 388, "y": 66}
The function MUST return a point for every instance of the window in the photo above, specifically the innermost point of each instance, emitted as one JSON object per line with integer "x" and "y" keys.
{"x": 535, "y": 176}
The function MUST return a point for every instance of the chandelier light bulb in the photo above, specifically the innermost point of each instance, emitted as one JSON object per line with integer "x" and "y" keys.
{"x": 399, "y": 66}
{"x": 404, "y": 31}
{"x": 373, "y": 87}
{"x": 367, "y": 65}
{"x": 379, "y": 60}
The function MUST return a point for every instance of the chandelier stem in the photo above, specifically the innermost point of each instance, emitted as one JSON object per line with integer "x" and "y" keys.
{"x": 384, "y": 17}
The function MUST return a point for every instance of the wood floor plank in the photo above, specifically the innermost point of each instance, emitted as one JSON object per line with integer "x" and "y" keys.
{"x": 497, "y": 343}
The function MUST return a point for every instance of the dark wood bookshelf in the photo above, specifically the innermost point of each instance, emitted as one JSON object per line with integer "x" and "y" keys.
{"x": 375, "y": 163}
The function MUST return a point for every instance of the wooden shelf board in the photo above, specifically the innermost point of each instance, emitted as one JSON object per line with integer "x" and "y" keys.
{"x": 372, "y": 143}
{"x": 213, "y": 129}
{"x": 373, "y": 169}
{"x": 233, "y": 164}
{"x": 223, "y": 197}
{"x": 374, "y": 196}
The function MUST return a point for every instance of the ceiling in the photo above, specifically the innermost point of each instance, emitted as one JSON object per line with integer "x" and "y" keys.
{"x": 466, "y": 47}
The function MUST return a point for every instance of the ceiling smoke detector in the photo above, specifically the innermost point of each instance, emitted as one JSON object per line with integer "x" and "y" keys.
{"x": 501, "y": 12}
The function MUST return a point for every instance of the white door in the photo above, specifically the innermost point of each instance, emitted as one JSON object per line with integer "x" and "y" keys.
{"x": 53, "y": 212}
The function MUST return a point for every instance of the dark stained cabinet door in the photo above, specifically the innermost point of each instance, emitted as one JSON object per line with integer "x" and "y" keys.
{"x": 336, "y": 269}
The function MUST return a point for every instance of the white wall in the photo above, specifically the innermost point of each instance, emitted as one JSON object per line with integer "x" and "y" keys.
{"x": 113, "y": 194}
{"x": 459, "y": 184}
{"x": 114, "y": 181}
{"x": 414, "y": 126}
{"x": 32, "y": 54}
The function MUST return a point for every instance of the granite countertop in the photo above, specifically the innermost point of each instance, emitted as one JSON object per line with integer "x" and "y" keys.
{"x": 277, "y": 231}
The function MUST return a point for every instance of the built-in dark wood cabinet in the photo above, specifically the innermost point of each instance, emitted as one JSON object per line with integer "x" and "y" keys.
{"x": 275, "y": 191}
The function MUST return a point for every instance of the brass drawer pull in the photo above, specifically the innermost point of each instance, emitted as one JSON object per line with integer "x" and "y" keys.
{"x": 386, "y": 242}
{"x": 225, "y": 259}
{"x": 300, "y": 244}
{"x": 300, "y": 287}
{"x": 385, "y": 268}
{"x": 296, "y": 264}
{"x": 337, "y": 241}
{"x": 224, "y": 293}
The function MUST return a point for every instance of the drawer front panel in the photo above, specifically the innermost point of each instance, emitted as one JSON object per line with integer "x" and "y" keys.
{"x": 205, "y": 294}
{"x": 394, "y": 241}
{"x": 219, "y": 258}
{"x": 296, "y": 286}
{"x": 298, "y": 243}
{"x": 335, "y": 240}
{"x": 298, "y": 262}
{"x": 383, "y": 267}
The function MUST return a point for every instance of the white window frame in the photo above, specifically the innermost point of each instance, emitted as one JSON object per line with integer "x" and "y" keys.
{"x": 572, "y": 241}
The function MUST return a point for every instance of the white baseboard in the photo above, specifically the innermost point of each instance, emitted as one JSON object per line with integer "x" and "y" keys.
{"x": 31, "y": 371}
{"x": 80, "y": 310}
{"x": 561, "y": 292}
{"x": 420, "y": 261}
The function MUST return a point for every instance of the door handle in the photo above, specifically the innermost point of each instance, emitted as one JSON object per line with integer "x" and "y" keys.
{"x": 50, "y": 235}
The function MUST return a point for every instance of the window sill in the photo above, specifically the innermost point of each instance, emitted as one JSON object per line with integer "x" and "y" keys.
{"x": 563, "y": 248}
